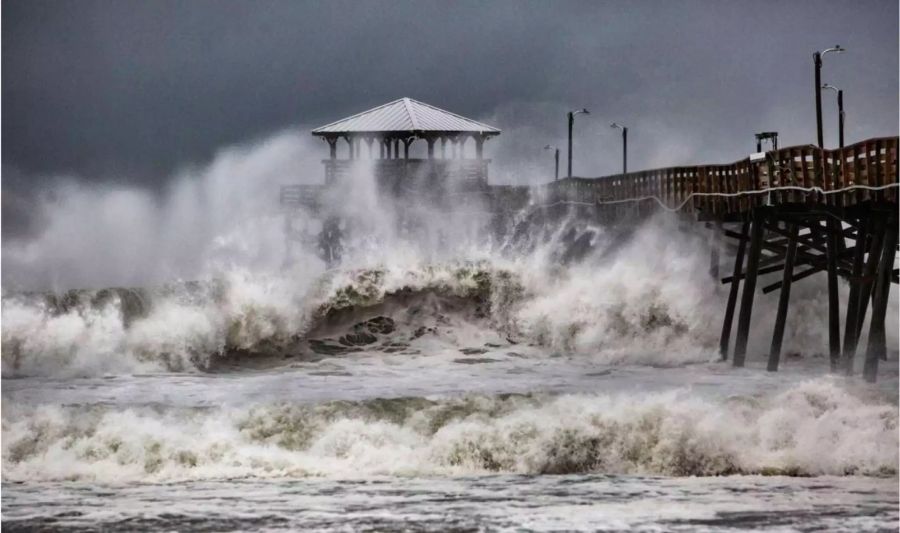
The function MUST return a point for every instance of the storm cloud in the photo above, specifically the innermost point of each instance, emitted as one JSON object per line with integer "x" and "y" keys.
{"x": 131, "y": 92}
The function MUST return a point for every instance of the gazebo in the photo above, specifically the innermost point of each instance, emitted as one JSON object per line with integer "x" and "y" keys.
{"x": 402, "y": 122}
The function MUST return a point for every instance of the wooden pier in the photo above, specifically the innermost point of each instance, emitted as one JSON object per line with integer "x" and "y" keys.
{"x": 799, "y": 211}
{"x": 793, "y": 212}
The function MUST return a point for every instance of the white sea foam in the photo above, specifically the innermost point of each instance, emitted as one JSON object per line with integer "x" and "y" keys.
{"x": 649, "y": 301}
{"x": 815, "y": 428}
{"x": 642, "y": 297}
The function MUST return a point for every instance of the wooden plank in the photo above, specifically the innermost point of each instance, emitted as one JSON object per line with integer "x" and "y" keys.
{"x": 857, "y": 170}
{"x": 868, "y": 170}
{"x": 804, "y": 152}
{"x": 878, "y": 170}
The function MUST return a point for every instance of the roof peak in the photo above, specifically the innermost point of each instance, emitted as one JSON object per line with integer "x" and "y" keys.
{"x": 405, "y": 115}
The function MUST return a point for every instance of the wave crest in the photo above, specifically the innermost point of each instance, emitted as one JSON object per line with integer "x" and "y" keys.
{"x": 816, "y": 428}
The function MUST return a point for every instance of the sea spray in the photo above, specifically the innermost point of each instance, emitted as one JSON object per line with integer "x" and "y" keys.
{"x": 647, "y": 300}
{"x": 819, "y": 427}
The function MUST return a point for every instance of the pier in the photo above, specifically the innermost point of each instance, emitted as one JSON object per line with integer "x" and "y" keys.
{"x": 791, "y": 213}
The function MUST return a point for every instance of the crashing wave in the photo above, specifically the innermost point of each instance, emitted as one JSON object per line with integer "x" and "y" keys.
{"x": 197, "y": 326}
{"x": 815, "y": 428}
{"x": 644, "y": 298}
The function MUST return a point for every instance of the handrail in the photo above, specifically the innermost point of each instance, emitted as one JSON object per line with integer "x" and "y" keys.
{"x": 872, "y": 162}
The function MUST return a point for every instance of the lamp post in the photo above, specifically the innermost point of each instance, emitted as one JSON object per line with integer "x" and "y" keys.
{"x": 840, "y": 102}
{"x": 556, "y": 158}
{"x": 624, "y": 146}
{"x": 571, "y": 122}
{"x": 817, "y": 61}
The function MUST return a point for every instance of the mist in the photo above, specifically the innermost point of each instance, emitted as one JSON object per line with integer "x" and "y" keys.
{"x": 208, "y": 218}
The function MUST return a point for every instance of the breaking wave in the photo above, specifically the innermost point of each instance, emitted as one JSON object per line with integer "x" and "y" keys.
{"x": 643, "y": 299}
{"x": 816, "y": 428}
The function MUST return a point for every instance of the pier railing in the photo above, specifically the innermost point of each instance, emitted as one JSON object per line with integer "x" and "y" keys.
{"x": 872, "y": 163}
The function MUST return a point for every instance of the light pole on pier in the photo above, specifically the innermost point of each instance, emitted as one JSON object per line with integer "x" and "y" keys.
{"x": 624, "y": 146}
{"x": 817, "y": 61}
{"x": 571, "y": 122}
{"x": 840, "y": 102}
{"x": 556, "y": 157}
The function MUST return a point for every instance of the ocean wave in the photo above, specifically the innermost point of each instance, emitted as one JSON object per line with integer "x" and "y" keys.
{"x": 816, "y": 428}
{"x": 645, "y": 298}
{"x": 195, "y": 326}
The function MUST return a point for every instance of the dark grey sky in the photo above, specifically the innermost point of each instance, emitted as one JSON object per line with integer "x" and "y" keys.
{"x": 129, "y": 91}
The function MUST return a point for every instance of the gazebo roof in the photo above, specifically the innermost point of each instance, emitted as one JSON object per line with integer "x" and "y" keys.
{"x": 405, "y": 116}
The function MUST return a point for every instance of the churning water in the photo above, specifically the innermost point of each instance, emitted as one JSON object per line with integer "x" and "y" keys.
{"x": 441, "y": 378}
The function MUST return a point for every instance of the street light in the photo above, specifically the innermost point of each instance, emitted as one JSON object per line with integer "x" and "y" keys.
{"x": 840, "y": 102}
{"x": 572, "y": 121}
{"x": 624, "y": 146}
{"x": 556, "y": 157}
{"x": 817, "y": 61}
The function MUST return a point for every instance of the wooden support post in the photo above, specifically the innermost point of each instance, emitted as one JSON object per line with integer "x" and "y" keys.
{"x": 832, "y": 227}
{"x": 479, "y": 149}
{"x": 332, "y": 147}
{"x": 756, "y": 238}
{"x": 396, "y": 148}
{"x": 443, "y": 148}
{"x": 877, "y": 348}
{"x": 430, "y": 141}
{"x": 406, "y": 142}
{"x": 876, "y": 234}
{"x": 851, "y": 329}
{"x": 733, "y": 292}
{"x": 381, "y": 148}
{"x": 783, "y": 298}
{"x": 714, "y": 243}
{"x": 349, "y": 147}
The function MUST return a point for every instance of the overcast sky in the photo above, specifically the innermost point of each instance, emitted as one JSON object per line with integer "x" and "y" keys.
{"x": 127, "y": 92}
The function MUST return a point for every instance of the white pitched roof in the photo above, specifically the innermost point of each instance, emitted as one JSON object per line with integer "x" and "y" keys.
{"x": 405, "y": 115}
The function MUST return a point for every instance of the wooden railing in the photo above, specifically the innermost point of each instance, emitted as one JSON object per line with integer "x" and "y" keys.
{"x": 872, "y": 162}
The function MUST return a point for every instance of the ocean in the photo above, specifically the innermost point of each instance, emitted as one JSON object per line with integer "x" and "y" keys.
{"x": 498, "y": 387}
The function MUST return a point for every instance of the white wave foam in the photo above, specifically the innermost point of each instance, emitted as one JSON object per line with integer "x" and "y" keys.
{"x": 816, "y": 428}
{"x": 177, "y": 333}
{"x": 647, "y": 300}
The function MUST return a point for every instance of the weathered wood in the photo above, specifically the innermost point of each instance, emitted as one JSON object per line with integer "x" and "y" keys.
{"x": 783, "y": 299}
{"x": 714, "y": 247}
{"x": 877, "y": 348}
{"x": 760, "y": 271}
{"x": 733, "y": 292}
{"x": 853, "y": 304}
{"x": 834, "y": 312}
{"x": 870, "y": 269}
{"x": 879, "y": 170}
{"x": 756, "y": 237}
{"x": 796, "y": 277}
